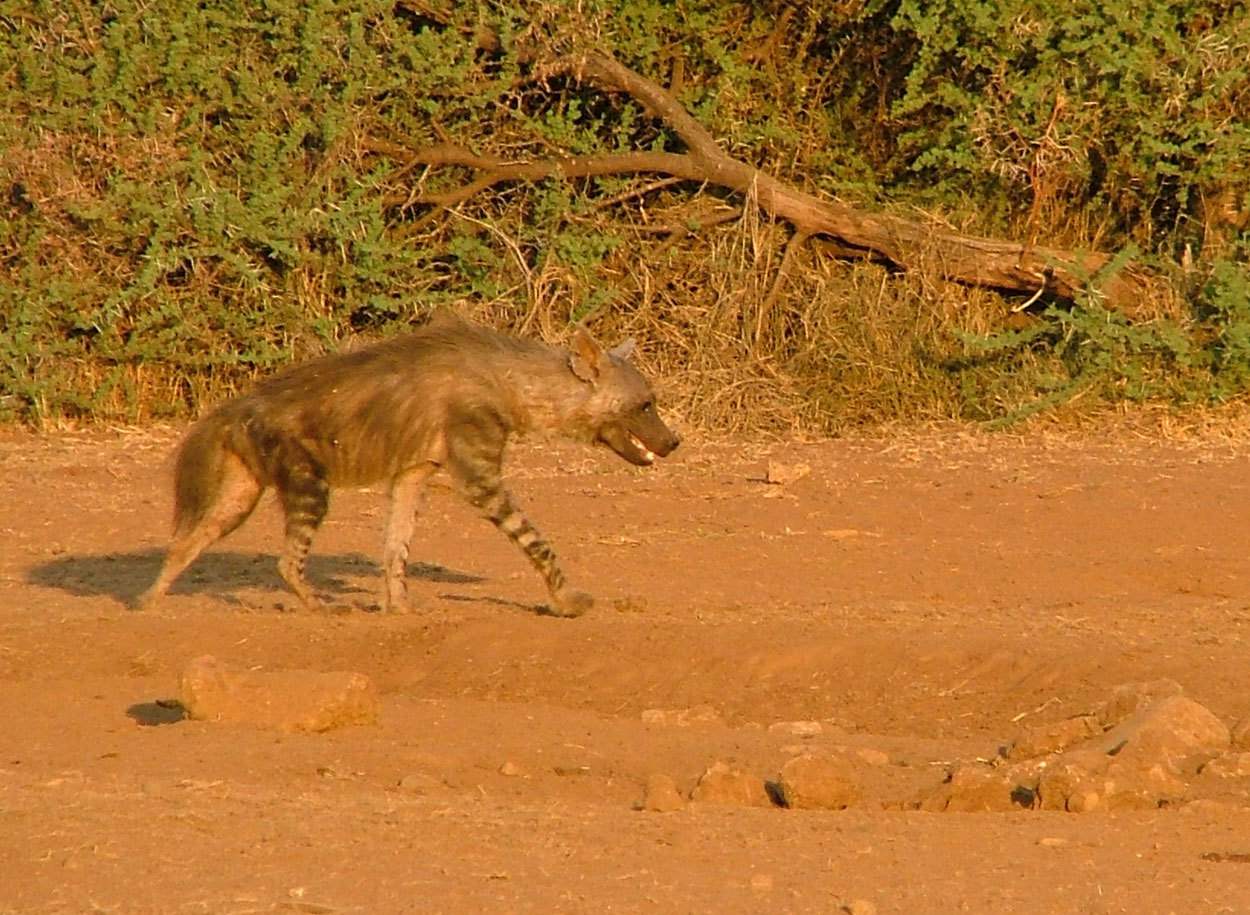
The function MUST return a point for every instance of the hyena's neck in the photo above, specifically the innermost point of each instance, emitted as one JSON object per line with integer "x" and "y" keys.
{"x": 547, "y": 398}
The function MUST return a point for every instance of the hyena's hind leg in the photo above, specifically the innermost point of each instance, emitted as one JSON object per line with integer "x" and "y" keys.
{"x": 404, "y": 502}
{"x": 305, "y": 497}
{"x": 237, "y": 493}
{"x": 475, "y": 448}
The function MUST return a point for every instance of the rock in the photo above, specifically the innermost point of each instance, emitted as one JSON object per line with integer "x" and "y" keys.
{"x": 1086, "y": 779}
{"x": 1137, "y": 787}
{"x": 1127, "y": 698}
{"x": 1050, "y": 738}
{"x": 872, "y": 757}
{"x": 295, "y": 700}
{"x": 661, "y": 795}
{"x": 721, "y": 784}
{"x": 1240, "y": 734}
{"x": 781, "y": 474}
{"x": 975, "y": 788}
{"x": 860, "y": 907}
{"x": 804, "y": 729}
{"x": 681, "y": 717}
{"x": 1074, "y": 782}
{"x": 421, "y": 784}
{"x": 818, "y": 783}
{"x": 511, "y": 769}
{"x": 1172, "y": 731}
{"x": 1230, "y": 765}
{"x": 1159, "y": 736}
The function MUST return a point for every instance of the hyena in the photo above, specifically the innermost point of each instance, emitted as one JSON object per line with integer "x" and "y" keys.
{"x": 446, "y": 397}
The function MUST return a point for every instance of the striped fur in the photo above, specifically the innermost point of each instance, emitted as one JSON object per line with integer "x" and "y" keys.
{"x": 446, "y": 398}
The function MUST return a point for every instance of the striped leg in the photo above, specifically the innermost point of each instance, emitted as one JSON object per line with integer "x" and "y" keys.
{"x": 405, "y": 499}
{"x": 305, "y": 497}
{"x": 475, "y": 457}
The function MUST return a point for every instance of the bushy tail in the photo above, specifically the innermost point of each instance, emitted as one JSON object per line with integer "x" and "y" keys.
{"x": 199, "y": 471}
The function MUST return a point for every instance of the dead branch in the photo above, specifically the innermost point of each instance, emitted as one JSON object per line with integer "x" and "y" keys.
{"x": 974, "y": 260}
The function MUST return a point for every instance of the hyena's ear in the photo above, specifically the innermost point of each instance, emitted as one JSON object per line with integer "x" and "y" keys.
{"x": 624, "y": 350}
{"x": 586, "y": 357}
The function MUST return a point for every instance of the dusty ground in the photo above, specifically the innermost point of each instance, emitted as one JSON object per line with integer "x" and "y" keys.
{"x": 926, "y": 597}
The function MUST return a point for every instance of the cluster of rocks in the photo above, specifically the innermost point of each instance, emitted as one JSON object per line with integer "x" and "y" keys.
{"x": 1143, "y": 747}
{"x": 822, "y": 780}
{"x": 1146, "y": 746}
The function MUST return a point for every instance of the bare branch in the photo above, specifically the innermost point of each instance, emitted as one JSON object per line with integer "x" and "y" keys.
{"x": 967, "y": 259}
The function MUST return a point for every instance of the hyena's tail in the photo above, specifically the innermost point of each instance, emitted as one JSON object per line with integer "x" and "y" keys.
{"x": 203, "y": 464}
{"x": 215, "y": 490}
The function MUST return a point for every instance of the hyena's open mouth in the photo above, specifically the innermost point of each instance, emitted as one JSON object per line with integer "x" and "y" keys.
{"x": 634, "y": 447}
{"x": 646, "y": 454}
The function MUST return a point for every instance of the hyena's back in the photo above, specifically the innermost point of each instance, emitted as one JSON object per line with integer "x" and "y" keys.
{"x": 447, "y": 396}
{"x": 366, "y": 415}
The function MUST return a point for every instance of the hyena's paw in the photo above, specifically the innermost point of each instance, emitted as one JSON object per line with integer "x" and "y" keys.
{"x": 570, "y": 603}
{"x": 395, "y": 599}
{"x": 402, "y": 605}
{"x": 308, "y": 602}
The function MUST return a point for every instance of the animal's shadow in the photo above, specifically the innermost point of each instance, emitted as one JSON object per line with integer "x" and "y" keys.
{"x": 125, "y": 576}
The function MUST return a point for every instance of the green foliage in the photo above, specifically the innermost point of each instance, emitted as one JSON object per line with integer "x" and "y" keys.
{"x": 183, "y": 194}
{"x": 1084, "y": 348}
{"x": 193, "y": 194}
{"x": 1135, "y": 110}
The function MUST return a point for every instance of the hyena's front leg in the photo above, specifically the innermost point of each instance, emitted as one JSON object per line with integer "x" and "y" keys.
{"x": 405, "y": 498}
{"x": 475, "y": 448}
{"x": 305, "y": 497}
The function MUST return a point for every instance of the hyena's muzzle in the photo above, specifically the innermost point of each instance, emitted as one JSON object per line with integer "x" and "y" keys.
{"x": 639, "y": 436}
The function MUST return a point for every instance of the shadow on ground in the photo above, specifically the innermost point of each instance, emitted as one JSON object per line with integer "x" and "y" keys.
{"x": 124, "y": 576}
{"x": 158, "y": 712}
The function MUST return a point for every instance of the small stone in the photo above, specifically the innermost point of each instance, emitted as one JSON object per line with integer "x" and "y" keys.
{"x": 661, "y": 795}
{"x": 872, "y": 757}
{"x": 860, "y": 907}
{"x": 1073, "y": 782}
{"x": 511, "y": 769}
{"x": 818, "y": 783}
{"x": 762, "y": 882}
{"x": 1082, "y": 801}
{"x": 420, "y": 783}
{"x": 782, "y": 474}
{"x": 803, "y": 729}
{"x": 1052, "y": 842}
{"x": 722, "y": 784}
{"x": 681, "y": 717}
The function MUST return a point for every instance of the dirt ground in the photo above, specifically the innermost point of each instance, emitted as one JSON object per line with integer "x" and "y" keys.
{"x": 922, "y": 596}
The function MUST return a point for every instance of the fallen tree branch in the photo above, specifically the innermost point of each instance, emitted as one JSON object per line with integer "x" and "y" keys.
{"x": 1009, "y": 266}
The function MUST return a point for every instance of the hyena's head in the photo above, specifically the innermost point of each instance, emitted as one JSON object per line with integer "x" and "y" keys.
{"x": 620, "y": 408}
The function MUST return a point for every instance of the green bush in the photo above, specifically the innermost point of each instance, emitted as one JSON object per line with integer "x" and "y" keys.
{"x": 193, "y": 194}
